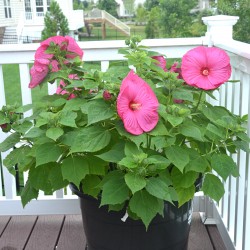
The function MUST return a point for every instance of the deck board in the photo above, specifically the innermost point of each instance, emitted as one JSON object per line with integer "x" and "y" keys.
{"x": 72, "y": 235}
{"x": 17, "y": 233}
{"x": 45, "y": 233}
{"x": 61, "y": 232}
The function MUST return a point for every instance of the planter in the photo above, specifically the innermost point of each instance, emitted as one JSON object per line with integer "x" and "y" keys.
{"x": 106, "y": 231}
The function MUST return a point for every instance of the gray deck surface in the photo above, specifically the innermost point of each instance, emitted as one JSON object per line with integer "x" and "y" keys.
{"x": 61, "y": 232}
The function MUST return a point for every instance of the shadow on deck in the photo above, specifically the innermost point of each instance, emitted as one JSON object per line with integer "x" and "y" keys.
{"x": 61, "y": 232}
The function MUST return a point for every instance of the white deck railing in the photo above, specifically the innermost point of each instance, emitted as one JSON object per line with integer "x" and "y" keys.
{"x": 232, "y": 215}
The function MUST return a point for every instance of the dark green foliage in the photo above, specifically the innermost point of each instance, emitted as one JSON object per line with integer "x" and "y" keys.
{"x": 239, "y": 8}
{"x": 149, "y": 4}
{"x": 152, "y": 27}
{"x": 55, "y": 22}
{"x": 109, "y": 6}
{"x": 175, "y": 17}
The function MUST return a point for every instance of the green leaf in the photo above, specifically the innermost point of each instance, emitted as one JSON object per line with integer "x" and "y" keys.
{"x": 74, "y": 104}
{"x": 67, "y": 118}
{"x": 28, "y": 193}
{"x": 174, "y": 120}
{"x": 158, "y": 160}
{"x": 3, "y": 118}
{"x": 213, "y": 187}
{"x": 129, "y": 162}
{"x": 145, "y": 206}
{"x": 34, "y": 133}
{"x": 115, "y": 154}
{"x": 115, "y": 190}
{"x": 157, "y": 187}
{"x": 90, "y": 139}
{"x": 243, "y": 145}
{"x": 56, "y": 179}
{"x": 185, "y": 194}
{"x": 98, "y": 111}
{"x": 189, "y": 129}
{"x": 178, "y": 156}
{"x": 135, "y": 182}
{"x": 9, "y": 142}
{"x": 47, "y": 152}
{"x": 183, "y": 180}
{"x": 131, "y": 149}
{"x": 54, "y": 133}
{"x": 160, "y": 129}
{"x": 182, "y": 94}
{"x": 74, "y": 169}
{"x": 90, "y": 185}
{"x": 22, "y": 127}
{"x": 218, "y": 131}
{"x": 18, "y": 156}
{"x": 39, "y": 177}
{"x": 224, "y": 165}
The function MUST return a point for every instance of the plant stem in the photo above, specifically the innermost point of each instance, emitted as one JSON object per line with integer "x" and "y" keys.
{"x": 198, "y": 103}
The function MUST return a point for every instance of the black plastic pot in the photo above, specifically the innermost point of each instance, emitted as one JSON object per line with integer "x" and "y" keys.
{"x": 106, "y": 231}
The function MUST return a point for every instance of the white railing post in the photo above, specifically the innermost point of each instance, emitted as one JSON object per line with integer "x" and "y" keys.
{"x": 219, "y": 28}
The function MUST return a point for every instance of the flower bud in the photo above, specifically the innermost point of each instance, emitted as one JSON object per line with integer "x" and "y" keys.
{"x": 107, "y": 95}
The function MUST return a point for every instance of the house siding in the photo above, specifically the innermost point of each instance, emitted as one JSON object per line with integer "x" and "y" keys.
{"x": 16, "y": 11}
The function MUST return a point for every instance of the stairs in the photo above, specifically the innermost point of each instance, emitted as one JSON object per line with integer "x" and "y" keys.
{"x": 101, "y": 16}
{"x": 10, "y": 35}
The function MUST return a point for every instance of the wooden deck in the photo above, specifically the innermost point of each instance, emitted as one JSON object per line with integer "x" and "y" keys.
{"x": 66, "y": 233}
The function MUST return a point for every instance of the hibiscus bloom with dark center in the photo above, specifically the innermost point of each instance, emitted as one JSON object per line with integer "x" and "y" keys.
{"x": 137, "y": 105}
{"x": 206, "y": 67}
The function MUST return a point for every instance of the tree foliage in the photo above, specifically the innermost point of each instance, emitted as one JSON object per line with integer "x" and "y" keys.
{"x": 55, "y": 22}
{"x": 149, "y": 4}
{"x": 108, "y": 5}
{"x": 175, "y": 17}
{"x": 129, "y": 6}
{"x": 239, "y": 8}
{"x": 152, "y": 27}
{"x": 141, "y": 13}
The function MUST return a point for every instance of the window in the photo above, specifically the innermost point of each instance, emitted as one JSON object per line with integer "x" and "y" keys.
{"x": 39, "y": 7}
{"x": 28, "y": 12}
{"x": 7, "y": 9}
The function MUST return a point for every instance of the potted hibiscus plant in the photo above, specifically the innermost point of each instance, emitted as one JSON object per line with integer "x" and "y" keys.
{"x": 139, "y": 141}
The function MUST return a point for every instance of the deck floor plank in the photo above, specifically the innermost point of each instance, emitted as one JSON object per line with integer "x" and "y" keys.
{"x": 3, "y": 222}
{"x": 72, "y": 236}
{"x": 198, "y": 237}
{"x": 215, "y": 237}
{"x": 45, "y": 233}
{"x": 16, "y": 234}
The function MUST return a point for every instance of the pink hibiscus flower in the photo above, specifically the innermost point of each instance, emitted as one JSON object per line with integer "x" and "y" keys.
{"x": 137, "y": 105}
{"x": 206, "y": 68}
{"x": 38, "y": 72}
{"x": 162, "y": 63}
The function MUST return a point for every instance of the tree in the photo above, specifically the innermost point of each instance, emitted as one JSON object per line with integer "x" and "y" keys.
{"x": 149, "y": 4}
{"x": 55, "y": 22}
{"x": 152, "y": 27}
{"x": 108, "y": 5}
{"x": 141, "y": 13}
{"x": 175, "y": 17}
{"x": 239, "y": 8}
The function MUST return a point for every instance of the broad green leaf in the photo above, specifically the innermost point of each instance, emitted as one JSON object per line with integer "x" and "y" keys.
{"x": 74, "y": 104}
{"x": 178, "y": 156}
{"x": 9, "y": 142}
{"x": 213, "y": 187}
{"x": 243, "y": 136}
{"x": 189, "y": 129}
{"x": 115, "y": 191}
{"x": 98, "y": 111}
{"x": 157, "y": 187}
{"x": 131, "y": 149}
{"x": 243, "y": 145}
{"x": 28, "y": 193}
{"x": 18, "y": 156}
{"x": 47, "y": 152}
{"x": 56, "y": 179}
{"x": 183, "y": 180}
{"x": 160, "y": 129}
{"x": 185, "y": 194}
{"x": 158, "y": 160}
{"x": 90, "y": 185}
{"x": 174, "y": 120}
{"x": 67, "y": 118}
{"x": 224, "y": 165}
{"x": 22, "y": 127}
{"x": 3, "y": 118}
{"x": 182, "y": 94}
{"x": 34, "y": 133}
{"x": 129, "y": 162}
{"x": 115, "y": 154}
{"x": 39, "y": 177}
{"x": 54, "y": 133}
{"x": 91, "y": 139}
{"x": 218, "y": 131}
{"x": 135, "y": 182}
{"x": 145, "y": 206}
{"x": 74, "y": 169}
